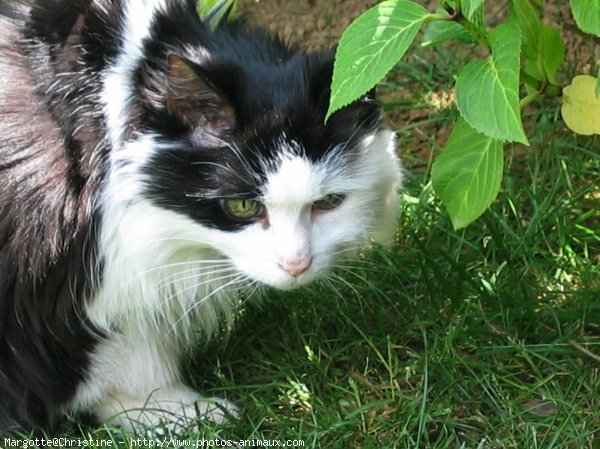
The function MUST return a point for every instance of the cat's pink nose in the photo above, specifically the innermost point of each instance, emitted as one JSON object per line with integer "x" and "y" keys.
{"x": 297, "y": 265}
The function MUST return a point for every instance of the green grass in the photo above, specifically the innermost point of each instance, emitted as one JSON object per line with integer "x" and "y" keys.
{"x": 487, "y": 337}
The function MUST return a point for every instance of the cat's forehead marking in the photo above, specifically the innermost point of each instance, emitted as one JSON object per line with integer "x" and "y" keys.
{"x": 293, "y": 181}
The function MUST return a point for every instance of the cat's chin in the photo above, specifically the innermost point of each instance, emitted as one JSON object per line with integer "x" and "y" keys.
{"x": 288, "y": 286}
{"x": 292, "y": 283}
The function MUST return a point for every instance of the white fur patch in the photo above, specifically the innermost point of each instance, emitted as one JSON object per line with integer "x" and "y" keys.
{"x": 163, "y": 286}
{"x": 117, "y": 83}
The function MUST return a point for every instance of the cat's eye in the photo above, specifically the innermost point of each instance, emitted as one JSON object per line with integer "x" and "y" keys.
{"x": 329, "y": 202}
{"x": 243, "y": 208}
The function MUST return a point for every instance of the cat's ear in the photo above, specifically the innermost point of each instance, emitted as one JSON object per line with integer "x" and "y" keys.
{"x": 370, "y": 97}
{"x": 196, "y": 103}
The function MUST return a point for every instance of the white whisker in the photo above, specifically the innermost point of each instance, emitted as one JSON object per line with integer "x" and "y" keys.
{"x": 362, "y": 280}
{"x": 215, "y": 164}
{"x": 349, "y": 249}
{"x": 194, "y": 273}
{"x": 236, "y": 280}
{"x": 364, "y": 265}
{"x": 195, "y": 286}
{"x": 328, "y": 281}
{"x": 349, "y": 270}
{"x": 343, "y": 281}
{"x": 255, "y": 285}
{"x": 203, "y": 265}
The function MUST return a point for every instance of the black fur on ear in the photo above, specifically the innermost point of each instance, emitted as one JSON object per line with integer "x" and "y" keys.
{"x": 197, "y": 104}
{"x": 321, "y": 70}
{"x": 370, "y": 97}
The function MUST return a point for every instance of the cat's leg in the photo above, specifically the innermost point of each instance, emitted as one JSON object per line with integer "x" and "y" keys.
{"x": 135, "y": 382}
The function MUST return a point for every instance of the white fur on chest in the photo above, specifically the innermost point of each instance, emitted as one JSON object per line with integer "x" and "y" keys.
{"x": 158, "y": 274}
{"x": 162, "y": 289}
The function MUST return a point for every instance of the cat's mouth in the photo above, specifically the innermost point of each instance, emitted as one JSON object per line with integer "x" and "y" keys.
{"x": 281, "y": 279}
{"x": 291, "y": 282}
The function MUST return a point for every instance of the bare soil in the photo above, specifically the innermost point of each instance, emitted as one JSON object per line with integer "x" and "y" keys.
{"x": 309, "y": 24}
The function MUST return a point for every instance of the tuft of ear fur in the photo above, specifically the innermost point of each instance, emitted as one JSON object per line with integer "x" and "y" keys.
{"x": 362, "y": 112}
{"x": 370, "y": 96}
{"x": 197, "y": 104}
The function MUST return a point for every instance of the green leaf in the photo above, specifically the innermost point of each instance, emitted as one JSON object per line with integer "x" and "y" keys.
{"x": 587, "y": 15}
{"x": 371, "y": 46}
{"x": 552, "y": 52}
{"x": 487, "y": 91}
{"x": 472, "y": 7}
{"x": 215, "y": 11}
{"x": 468, "y": 173}
{"x": 439, "y": 31}
{"x": 528, "y": 17}
{"x": 474, "y": 11}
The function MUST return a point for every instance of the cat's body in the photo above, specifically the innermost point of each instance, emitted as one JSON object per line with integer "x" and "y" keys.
{"x": 149, "y": 170}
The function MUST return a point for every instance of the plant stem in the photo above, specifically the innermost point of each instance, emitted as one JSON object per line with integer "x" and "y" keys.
{"x": 528, "y": 99}
{"x": 530, "y": 80}
{"x": 458, "y": 5}
{"x": 479, "y": 34}
{"x": 541, "y": 88}
{"x": 435, "y": 16}
{"x": 457, "y": 15}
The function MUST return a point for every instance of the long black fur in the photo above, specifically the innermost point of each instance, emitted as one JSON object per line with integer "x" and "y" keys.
{"x": 51, "y": 165}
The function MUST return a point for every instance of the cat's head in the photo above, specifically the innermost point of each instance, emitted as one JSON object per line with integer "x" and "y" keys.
{"x": 231, "y": 151}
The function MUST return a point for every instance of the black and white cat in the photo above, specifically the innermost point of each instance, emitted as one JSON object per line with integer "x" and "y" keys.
{"x": 150, "y": 170}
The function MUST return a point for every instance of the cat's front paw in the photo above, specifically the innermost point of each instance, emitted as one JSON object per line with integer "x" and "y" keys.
{"x": 171, "y": 408}
{"x": 217, "y": 410}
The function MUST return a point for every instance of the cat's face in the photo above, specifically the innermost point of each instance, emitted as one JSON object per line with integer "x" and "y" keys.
{"x": 252, "y": 171}
{"x": 309, "y": 215}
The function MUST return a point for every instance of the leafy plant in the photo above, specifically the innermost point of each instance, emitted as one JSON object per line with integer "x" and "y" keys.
{"x": 215, "y": 11}
{"x": 522, "y": 65}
